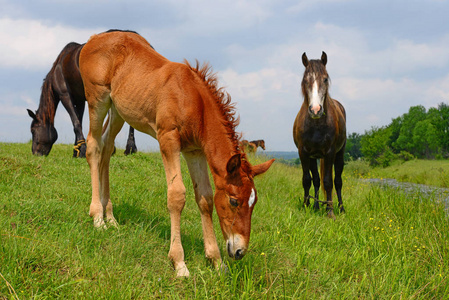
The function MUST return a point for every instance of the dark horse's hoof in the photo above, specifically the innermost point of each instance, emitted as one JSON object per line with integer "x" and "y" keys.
{"x": 79, "y": 150}
{"x": 130, "y": 149}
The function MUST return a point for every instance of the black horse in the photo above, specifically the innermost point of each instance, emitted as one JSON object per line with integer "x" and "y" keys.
{"x": 319, "y": 132}
{"x": 64, "y": 83}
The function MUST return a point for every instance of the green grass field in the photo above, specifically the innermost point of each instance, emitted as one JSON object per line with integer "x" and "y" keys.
{"x": 388, "y": 245}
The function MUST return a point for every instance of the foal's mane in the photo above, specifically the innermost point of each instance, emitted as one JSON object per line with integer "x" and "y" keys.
{"x": 222, "y": 99}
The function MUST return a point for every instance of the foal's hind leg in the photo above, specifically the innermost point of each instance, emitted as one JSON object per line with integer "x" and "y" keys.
{"x": 338, "y": 166}
{"x": 196, "y": 161}
{"x": 114, "y": 126}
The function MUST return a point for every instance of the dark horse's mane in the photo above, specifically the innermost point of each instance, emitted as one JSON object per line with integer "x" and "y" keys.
{"x": 223, "y": 100}
{"x": 47, "y": 104}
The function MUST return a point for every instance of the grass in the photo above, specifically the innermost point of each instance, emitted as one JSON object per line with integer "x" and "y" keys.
{"x": 428, "y": 172}
{"x": 388, "y": 245}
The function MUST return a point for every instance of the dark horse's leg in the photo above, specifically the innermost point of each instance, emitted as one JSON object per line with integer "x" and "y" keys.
{"x": 328, "y": 184}
{"x": 76, "y": 112}
{"x": 316, "y": 181}
{"x": 339, "y": 164}
{"x": 306, "y": 179}
{"x": 131, "y": 143}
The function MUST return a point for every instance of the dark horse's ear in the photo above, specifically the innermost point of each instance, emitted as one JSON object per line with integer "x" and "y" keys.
{"x": 305, "y": 60}
{"x": 324, "y": 58}
{"x": 233, "y": 164}
{"x": 32, "y": 114}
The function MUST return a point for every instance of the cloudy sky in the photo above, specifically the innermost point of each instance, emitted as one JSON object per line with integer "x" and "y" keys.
{"x": 383, "y": 56}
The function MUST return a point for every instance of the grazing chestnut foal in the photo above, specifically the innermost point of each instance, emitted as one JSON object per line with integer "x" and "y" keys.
{"x": 182, "y": 107}
{"x": 319, "y": 132}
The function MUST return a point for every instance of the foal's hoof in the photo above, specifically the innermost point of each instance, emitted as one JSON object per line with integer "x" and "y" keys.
{"x": 182, "y": 271}
{"x": 99, "y": 224}
{"x": 316, "y": 205}
{"x": 112, "y": 222}
{"x": 342, "y": 209}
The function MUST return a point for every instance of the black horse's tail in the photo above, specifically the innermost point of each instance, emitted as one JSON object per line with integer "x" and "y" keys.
{"x": 322, "y": 178}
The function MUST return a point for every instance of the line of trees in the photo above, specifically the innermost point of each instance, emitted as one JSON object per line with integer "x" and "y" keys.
{"x": 418, "y": 133}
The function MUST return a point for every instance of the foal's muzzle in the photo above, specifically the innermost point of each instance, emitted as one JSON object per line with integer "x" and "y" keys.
{"x": 235, "y": 247}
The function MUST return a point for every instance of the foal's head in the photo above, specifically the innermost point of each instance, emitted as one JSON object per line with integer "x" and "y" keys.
{"x": 315, "y": 84}
{"x": 44, "y": 135}
{"x": 235, "y": 198}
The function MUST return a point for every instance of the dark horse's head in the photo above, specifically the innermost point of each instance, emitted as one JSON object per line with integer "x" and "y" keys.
{"x": 44, "y": 135}
{"x": 315, "y": 84}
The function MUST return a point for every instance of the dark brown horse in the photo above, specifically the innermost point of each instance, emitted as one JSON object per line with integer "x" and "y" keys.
{"x": 63, "y": 83}
{"x": 319, "y": 132}
{"x": 258, "y": 143}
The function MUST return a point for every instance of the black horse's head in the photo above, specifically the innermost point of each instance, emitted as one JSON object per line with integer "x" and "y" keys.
{"x": 315, "y": 84}
{"x": 44, "y": 135}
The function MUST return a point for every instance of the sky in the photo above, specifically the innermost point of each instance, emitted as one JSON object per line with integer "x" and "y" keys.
{"x": 383, "y": 56}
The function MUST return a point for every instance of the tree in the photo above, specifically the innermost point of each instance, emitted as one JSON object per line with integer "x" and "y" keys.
{"x": 425, "y": 139}
{"x": 374, "y": 146}
{"x": 353, "y": 147}
{"x": 409, "y": 120}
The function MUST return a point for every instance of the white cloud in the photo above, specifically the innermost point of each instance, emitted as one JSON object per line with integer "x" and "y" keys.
{"x": 33, "y": 44}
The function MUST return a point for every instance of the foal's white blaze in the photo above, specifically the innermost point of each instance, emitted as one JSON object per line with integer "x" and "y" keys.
{"x": 252, "y": 198}
{"x": 314, "y": 98}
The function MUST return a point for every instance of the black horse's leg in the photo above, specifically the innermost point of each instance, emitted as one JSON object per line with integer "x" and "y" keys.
{"x": 131, "y": 143}
{"x": 316, "y": 181}
{"x": 339, "y": 164}
{"x": 328, "y": 185}
{"x": 76, "y": 115}
{"x": 306, "y": 178}
{"x": 80, "y": 142}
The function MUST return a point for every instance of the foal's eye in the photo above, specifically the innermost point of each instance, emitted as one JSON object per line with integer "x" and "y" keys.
{"x": 325, "y": 80}
{"x": 233, "y": 202}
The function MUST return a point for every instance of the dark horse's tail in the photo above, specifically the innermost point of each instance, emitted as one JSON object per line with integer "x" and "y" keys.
{"x": 322, "y": 178}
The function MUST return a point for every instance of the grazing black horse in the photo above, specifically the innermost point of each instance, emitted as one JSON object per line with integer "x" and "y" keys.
{"x": 319, "y": 132}
{"x": 63, "y": 83}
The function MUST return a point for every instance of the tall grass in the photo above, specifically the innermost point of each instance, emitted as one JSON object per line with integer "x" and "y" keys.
{"x": 388, "y": 245}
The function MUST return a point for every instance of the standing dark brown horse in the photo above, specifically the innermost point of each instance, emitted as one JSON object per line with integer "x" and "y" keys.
{"x": 63, "y": 83}
{"x": 319, "y": 132}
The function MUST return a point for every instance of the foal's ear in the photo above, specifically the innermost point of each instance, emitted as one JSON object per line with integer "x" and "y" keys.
{"x": 324, "y": 58}
{"x": 262, "y": 168}
{"x": 305, "y": 60}
{"x": 32, "y": 114}
{"x": 233, "y": 164}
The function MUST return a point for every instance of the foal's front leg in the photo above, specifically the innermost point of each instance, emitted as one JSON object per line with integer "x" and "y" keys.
{"x": 176, "y": 193}
{"x": 197, "y": 164}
